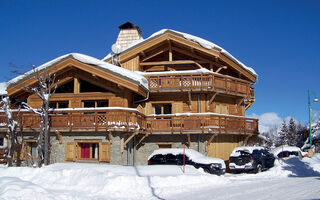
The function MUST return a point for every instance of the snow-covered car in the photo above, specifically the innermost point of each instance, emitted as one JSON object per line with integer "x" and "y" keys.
{"x": 174, "y": 156}
{"x": 287, "y": 151}
{"x": 250, "y": 159}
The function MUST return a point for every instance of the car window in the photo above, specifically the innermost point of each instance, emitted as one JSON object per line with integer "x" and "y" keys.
{"x": 171, "y": 157}
{"x": 243, "y": 152}
{"x": 157, "y": 157}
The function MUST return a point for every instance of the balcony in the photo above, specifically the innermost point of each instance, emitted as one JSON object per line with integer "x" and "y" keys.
{"x": 200, "y": 82}
{"x": 193, "y": 123}
{"x": 131, "y": 120}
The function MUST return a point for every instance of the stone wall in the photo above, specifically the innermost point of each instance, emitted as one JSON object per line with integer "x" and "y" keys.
{"x": 131, "y": 154}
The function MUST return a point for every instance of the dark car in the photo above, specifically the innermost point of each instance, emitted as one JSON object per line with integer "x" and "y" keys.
{"x": 250, "y": 159}
{"x": 192, "y": 157}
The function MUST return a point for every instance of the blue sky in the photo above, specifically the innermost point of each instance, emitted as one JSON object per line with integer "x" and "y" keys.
{"x": 279, "y": 39}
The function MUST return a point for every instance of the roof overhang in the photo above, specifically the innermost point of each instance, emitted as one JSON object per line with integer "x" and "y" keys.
{"x": 178, "y": 37}
{"x": 107, "y": 72}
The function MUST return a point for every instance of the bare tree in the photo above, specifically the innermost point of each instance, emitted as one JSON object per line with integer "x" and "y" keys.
{"x": 44, "y": 91}
{"x": 12, "y": 125}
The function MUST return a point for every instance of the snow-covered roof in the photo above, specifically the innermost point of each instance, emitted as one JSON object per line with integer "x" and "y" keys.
{"x": 127, "y": 74}
{"x": 192, "y": 154}
{"x": 3, "y": 88}
{"x": 277, "y": 150}
{"x": 204, "y": 43}
{"x": 249, "y": 149}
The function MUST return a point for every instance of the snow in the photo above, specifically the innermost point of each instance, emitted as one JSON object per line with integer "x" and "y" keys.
{"x": 249, "y": 149}
{"x": 204, "y": 43}
{"x": 192, "y": 154}
{"x": 3, "y": 88}
{"x": 293, "y": 179}
{"x": 196, "y": 114}
{"x": 132, "y": 76}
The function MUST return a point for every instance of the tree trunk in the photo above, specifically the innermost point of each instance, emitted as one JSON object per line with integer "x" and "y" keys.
{"x": 46, "y": 135}
{"x": 11, "y": 151}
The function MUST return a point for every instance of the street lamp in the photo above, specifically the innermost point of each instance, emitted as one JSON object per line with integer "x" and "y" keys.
{"x": 309, "y": 103}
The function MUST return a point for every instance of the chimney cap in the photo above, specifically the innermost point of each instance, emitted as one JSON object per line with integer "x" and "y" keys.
{"x": 129, "y": 25}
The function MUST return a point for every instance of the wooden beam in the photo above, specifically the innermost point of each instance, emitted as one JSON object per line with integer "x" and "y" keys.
{"x": 176, "y": 62}
{"x": 210, "y": 140}
{"x": 59, "y": 136}
{"x": 220, "y": 68}
{"x": 246, "y": 140}
{"x": 170, "y": 51}
{"x": 191, "y": 54}
{"x": 248, "y": 106}
{"x": 189, "y": 140}
{"x": 146, "y": 135}
{"x": 211, "y": 100}
{"x": 240, "y": 102}
{"x": 76, "y": 86}
{"x": 110, "y": 137}
{"x": 190, "y": 100}
{"x": 129, "y": 138}
{"x": 155, "y": 54}
{"x": 121, "y": 144}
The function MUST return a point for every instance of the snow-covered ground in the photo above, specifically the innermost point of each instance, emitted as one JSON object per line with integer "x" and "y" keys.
{"x": 292, "y": 179}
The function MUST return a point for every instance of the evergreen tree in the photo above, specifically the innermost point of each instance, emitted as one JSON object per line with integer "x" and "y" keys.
{"x": 283, "y": 135}
{"x": 292, "y": 133}
{"x": 300, "y": 137}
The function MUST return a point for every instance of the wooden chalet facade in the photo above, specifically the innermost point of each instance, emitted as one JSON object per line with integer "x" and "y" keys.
{"x": 165, "y": 91}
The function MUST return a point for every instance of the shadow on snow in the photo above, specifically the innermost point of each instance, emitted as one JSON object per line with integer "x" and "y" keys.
{"x": 299, "y": 168}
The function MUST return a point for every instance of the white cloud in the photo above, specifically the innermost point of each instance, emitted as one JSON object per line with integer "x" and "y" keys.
{"x": 269, "y": 121}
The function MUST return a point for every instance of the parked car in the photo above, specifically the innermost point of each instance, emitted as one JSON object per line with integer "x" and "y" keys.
{"x": 175, "y": 157}
{"x": 287, "y": 151}
{"x": 250, "y": 159}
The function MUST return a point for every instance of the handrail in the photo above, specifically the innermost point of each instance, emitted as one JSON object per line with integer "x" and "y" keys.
{"x": 202, "y": 123}
{"x": 131, "y": 120}
{"x": 199, "y": 81}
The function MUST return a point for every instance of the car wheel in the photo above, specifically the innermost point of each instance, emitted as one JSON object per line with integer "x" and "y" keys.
{"x": 258, "y": 168}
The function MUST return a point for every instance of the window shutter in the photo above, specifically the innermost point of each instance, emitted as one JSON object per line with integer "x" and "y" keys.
{"x": 104, "y": 151}
{"x": 70, "y": 151}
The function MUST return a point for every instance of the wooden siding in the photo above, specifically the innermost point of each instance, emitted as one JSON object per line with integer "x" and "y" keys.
{"x": 222, "y": 146}
{"x": 75, "y": 100}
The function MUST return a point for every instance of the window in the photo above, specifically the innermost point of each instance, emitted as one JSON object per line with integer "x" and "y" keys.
{"x": 31, "y": 149}
{"x": 165, "y": 145}
{"x": 162, "y": 109}
{"x": 65, "y": 88}
{"x": 89, "y": 151}
{"x": 59, "y": 104}
{"x": 89, "y": 87}
{"x": 95, "y": 103}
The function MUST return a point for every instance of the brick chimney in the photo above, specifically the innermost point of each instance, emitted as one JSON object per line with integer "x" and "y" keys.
{"x": 129, "y": 33}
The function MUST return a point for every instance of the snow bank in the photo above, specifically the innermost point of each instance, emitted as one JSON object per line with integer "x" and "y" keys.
{"x": 97, "y": 181}
{"x": 131, "y": 76}
{"x": 204, "y": 43}
{"x": 64, "y": 181}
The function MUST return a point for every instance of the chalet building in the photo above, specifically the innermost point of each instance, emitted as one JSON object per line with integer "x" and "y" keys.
{"x": 166, "y": 91}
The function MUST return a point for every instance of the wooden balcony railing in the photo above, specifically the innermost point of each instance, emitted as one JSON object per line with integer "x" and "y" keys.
{"x": 201, "y": 123}
{"x": 113, "y": 119}
{"x": 82, "y": 120}
{"x": 199, "y": 82}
